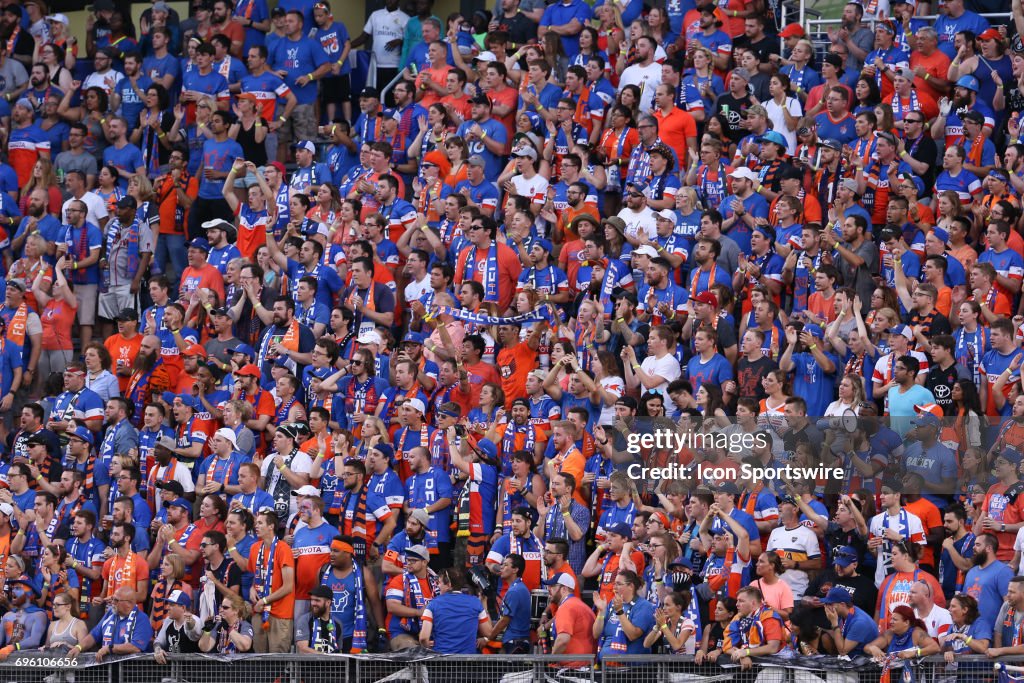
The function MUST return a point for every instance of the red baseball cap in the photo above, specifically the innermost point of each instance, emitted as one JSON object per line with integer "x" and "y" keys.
{"x": 792, "y": 31}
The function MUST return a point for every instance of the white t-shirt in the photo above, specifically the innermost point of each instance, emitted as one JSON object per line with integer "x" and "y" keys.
{"x": 97, "y": 209}
{"x": 937, "y": 622}
{"x": 535, "y": 189}
{"x": 913, "y": 531}
{"x": 778, "y": 119}
{"x": 647, "y": 78}
{"x": 1018, "y": 546}
{"x": 667, "y": 368}
{"x": 640, "y": 222}
{"x": 385, "y": 26}
{"x": 799, "y": 544}
{"x": 617, "y": 387}
{"x": 182, "y": 475}
{"x": 301, "y": 464}
{"x": 414, "y": 290}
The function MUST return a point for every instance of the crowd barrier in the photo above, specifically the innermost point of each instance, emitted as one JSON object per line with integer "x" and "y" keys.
{"x": 421, "y": 666}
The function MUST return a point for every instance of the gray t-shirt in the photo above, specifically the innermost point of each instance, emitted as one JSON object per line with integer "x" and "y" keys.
{"x": 83, "y": 161}
{"x": 729, "y": 259}
{"x": 12, "y": 75}
{"x": 219, "y": 349}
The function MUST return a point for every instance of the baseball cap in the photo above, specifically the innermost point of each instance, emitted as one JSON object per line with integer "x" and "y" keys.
{"x": 488, "y": 448}
{"x": 194, "y": 349}
{"x": 369, "y": 92}
{"x": 902, "y": 329}
{"x": 793, "y": 30}
{"x": 741, "y": 73}
{"x": 414, "y": 337}
{"x": 542, "y": 243}
{"x": 125, "y": 315}
{"x": 308, "y": 491}
{"x": 837, "y": 595}
{"x": 306, "y": 145}
{"x": 708, "y": 298}
{"x": 83, "y": 434}
{"x": 486, "y": 56}
{"x": 728, "y": 487}
{"x": 417, "y": 552}
{"x": 173, "y": 487}
{"x": 745, "y": 173}
{"x": 179, "y": 503}
{"x": 7, "y": 509}
{"x": 479, "y": 98}
{"x": 63, "y": 19}
{"x": 477, "y": 160}
{"x": 667, "y": 214}
{"x": 127, "y": 202}
{"x": 322, "y": 592}
{"x": 229, "y": 434}
{"x": 562, "y": 579}
{"x": 420, "y": 515}
{"x": 775, "y": 137}
{"x": 371, "y": 337}
{"x": 527, "y": 152}
{"x": 200, "y": 243}
{"x": 17, "y": 284}
{"x": 417, "y": 405}
{"x": 249, "y": 370}
{"x": 990, "y": 34}
{"x": 621, "y": 529}
{"x": 243, "y": 349}
{"x": 845, "y": 556}
{"x": 179, "y": 598}
{"x": 831, "y": 143}
{"x": 646, "y": 250}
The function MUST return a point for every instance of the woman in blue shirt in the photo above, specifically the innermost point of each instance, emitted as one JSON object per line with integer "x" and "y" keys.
{"x": 623, "y": 622}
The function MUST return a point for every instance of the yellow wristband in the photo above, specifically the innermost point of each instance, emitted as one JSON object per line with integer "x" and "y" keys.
{"x": 812, "y": 347}
{"x": 636, "y": 366}
{"x": 258, "y": 305}
{"x": 927, "y": 76}
{"x": 232, "y": 549}
{"x": 483, "y": 135}
{"x": 310, "y": 76}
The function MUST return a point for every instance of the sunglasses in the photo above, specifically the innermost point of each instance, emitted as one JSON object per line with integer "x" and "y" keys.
{"x": 635, "y": 194}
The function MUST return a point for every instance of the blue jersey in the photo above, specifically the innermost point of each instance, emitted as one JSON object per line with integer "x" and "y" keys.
{"x": 128, "y": 159}
{"x": 218, "y": 156}
{"x": 516, "y": 606}
{"x": 451, "y": 615}
{"x": 299, "y": 58}
{"x": 813, "y": 383}
{"x": 494, "y": 130}
{"x": 343, "y": 605}
{"x": 716, "y": 370}
{"x": 425, "y": 489}
{"x": 332, "y": 40}
{"x": 131, "y": 104}
{"x": 562, "y": 13}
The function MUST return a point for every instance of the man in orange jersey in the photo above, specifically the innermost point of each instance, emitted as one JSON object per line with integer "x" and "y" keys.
{"x": 273, "y": 567}
{"x": 123, "y": 569}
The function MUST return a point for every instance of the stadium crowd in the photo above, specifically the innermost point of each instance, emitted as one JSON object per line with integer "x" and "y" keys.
{"x": 289, "y": 365}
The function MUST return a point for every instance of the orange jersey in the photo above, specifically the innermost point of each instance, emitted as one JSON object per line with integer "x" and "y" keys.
{"x": 284, "y": 607}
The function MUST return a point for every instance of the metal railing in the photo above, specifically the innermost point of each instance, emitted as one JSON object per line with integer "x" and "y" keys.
{"x": 420, "y": 666}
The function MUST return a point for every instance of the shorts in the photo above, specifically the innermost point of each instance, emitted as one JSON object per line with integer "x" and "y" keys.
{"x": 336, "y": 89}
{"x": 116, "y": 300}
{"x": 86, "y": 295}
{"x": 301, "y": 125}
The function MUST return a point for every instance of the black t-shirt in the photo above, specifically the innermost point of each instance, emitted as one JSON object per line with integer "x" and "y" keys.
{"x": 521, "y": 29}
{"x": 737, "y": 106}
{"x": 940, "y": 382}
{"x": 749, "y": 375}
{"x": 861, "y": 588}
{"x": 925, "y": 152}
{"x": 229, "y": 574}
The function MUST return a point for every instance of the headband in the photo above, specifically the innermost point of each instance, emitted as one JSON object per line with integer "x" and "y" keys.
{"x": 343, "y": 547}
